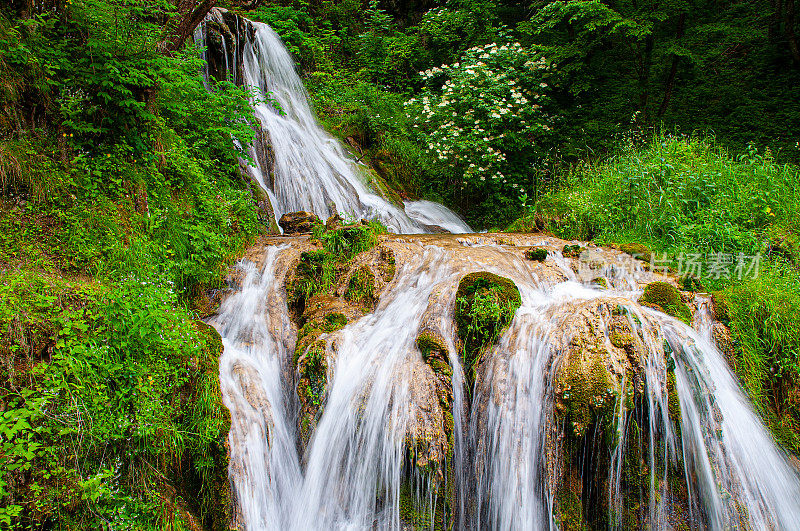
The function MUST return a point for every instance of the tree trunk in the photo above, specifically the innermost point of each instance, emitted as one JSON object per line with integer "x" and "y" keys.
{"x": 670, "y": 86}
{"x": 179, "y": 27}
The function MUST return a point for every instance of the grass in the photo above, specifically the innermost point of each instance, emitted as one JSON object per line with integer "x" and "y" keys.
{"x": 677, "y": 194}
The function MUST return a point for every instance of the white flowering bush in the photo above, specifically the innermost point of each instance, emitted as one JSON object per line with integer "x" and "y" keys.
{"x": 485, "y": 118}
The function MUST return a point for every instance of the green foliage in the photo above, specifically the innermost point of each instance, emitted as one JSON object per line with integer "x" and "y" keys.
{"x": 361, "y": 287}
{"x": 117, "y": 168}
{"x": 485, "y": 118}
{"x": 763, "y": 319}
{"x": 485, "y": 305}
{"x": 679, "y": 193}
{"x": 317, "y": 271}
{"x": 113, "y": 390}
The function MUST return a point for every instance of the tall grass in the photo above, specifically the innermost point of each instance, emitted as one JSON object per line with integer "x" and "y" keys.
{"x": 679, "y": 193}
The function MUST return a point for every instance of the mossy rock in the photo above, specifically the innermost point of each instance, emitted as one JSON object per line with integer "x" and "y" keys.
{"x": 569, "y": 506}
{"x": 388, "y": 265}
{"x": 636, "y": 250}
{"x": 537, "y": 254}
{"x": 572, "y": 251}
{"x": 665, "y": 297}
{"x": 431, "y": 343}
{"x": 586, "y": 391}
{"x": 719, "y": 304}
{"x": 212, "y": 346}
{"x": 600, "y": 282}
{"x": 361, "y": 288}
{"x": 673, "y": 401}
{"x": 485, "y": 305}
{"x": 209, "y": 463}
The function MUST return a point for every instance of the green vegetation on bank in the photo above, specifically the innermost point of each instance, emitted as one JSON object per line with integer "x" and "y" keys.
{"x": 121, "y": 208}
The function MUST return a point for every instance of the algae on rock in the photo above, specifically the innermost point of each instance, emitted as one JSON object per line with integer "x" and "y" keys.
{"x": 485, "y": 305}
{"x": 666, "y": 298}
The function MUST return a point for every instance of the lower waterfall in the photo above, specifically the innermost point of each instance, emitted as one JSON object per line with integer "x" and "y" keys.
{"x": 677, "y": 443}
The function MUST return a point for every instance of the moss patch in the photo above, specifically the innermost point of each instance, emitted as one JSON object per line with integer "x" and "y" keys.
{"x": 636, "y": 250}
{"x": 431, "y": 343}
{"x": 537, "y": 254}
{"x": 586, "y": 391}
{"x": 666, "y": 298}
{"x": 485, "y": 305}
{"x": 720, "y": 307}
{"x": 572, "y": 251}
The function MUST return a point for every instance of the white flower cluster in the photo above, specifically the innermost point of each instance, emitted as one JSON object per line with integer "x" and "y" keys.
{"x": 484, "y": 107}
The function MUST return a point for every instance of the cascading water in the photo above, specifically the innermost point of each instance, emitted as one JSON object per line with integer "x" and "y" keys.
{"x": 678, "y": 437}
{"x": 300, "y": 165}
{"x": 663, "y": 438}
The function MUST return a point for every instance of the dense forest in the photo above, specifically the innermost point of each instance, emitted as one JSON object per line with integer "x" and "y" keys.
{"x": 672, "y": 124}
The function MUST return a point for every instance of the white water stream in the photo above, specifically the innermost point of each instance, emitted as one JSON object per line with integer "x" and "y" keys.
{"x": 352, "y": 472}
{"x": 311, "y": 170}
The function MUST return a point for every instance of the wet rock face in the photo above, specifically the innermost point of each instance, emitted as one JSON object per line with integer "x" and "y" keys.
{"x": 225, "y": 36}
{"x": 602, "y": 350}
{"x": 298, "y": 222}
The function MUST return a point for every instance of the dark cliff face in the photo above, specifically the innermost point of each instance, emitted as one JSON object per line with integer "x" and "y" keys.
{"x": 226, "y": 34}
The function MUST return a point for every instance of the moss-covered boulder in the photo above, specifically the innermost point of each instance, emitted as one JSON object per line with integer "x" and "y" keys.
{"x": 298, "y": 222}
{"x": 536, "y": 254}
{"x": 666, "y": 298}
{"x": 485, "y": 305}
{"x": 572, "y": 251}
{"x": 323, "y": 315}
{"x": 636, "y": 250}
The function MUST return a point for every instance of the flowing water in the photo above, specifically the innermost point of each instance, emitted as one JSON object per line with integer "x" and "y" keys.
{"x": 300, "y": 165}
{"x": 505, "y": 462}
{"x": 709, "y": 464}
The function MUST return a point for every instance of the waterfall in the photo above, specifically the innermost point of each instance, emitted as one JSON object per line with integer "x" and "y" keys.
{"x": 711, "y": 465}
{"x": 295, "y": 160}
{"x": 666, "y": 438}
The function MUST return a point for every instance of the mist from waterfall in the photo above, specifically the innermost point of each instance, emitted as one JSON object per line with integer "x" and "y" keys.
{"x": 306, "y": 168}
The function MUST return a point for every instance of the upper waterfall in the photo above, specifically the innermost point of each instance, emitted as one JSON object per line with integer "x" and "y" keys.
{"x": 295, "y": 160}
